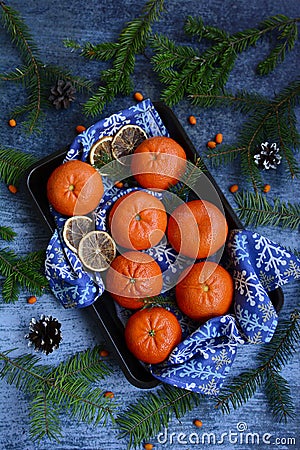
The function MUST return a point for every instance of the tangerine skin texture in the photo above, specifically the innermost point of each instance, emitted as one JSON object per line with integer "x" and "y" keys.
{"x": 204, "y": 290}
{"x": 133, "y": 276}
{"x": 197, "y": 229}
{"x": 158, "y": 162}
{"x": 74, "y": 188}
{"x": 138, "y": 220}
{"x": 151, "y": 334}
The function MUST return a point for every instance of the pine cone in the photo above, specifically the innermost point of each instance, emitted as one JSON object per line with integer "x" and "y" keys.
{"x": 268, "y": 156}
{"x": 62, "y": 94}
{"x": 44, "y": 334}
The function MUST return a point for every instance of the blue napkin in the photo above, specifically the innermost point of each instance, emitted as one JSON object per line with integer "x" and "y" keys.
{"x": 201, "y": 362}
{"x": 203, "y": 359}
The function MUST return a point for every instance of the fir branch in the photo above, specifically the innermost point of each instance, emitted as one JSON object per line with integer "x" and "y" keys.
{"x": 273, "y": 357}
{"x": 33, "y": 74}
{"x": 146, "y": 417}
{"x": 67, "y": 387}
{"x": 239, "y": 391}
{"x": 13, "y": 164}
{"x": 7, "y": 233}
{"x": 187, "y": 186}
{"x": 190, "y": 73}
{"x": 279, "y": 396}
{"x": 44, "y": 420}
{"x": 287, "y": 37}
{"x": 21, "y": 273}
{"x": 255, "y": 209}
{"x": 158, "y": 300}
{"x": 272, "y": 121}
{"x": 100, "y": 52}
{"x": 132, "y": 41}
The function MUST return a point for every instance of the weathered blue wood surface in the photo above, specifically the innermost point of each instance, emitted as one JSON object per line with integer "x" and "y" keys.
{"x": 50, "y": 22}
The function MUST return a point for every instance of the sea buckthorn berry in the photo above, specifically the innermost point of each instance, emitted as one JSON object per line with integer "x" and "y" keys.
{"x": 219, "y": 138}
{"x": 198, "y": 423}
{"x": 138, "y": 96}
{"x": 109, "y": 394}
{"x": 267, "y": 188}
{"x": 12, "y": 123}
{"x": 31, "y": 300}
{"x": 211, "y": 144}
{"x": 234, "y": 188}
{"x": 12, "y": 188}
{"x": 192, "y": 120}
{"x": 80, "y": 129}
{"x": 148, "y": 446}
{"x": 104, "y": 353}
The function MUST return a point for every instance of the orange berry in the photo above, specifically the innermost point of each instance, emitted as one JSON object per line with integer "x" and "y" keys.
{"x": 192, "y": 120}
{"x": 109, "y": 394}
{"x": 148, "y": 446}
{"x": 12, "y": 123}
{"x": 12, "y": 188}
{"x": 198, "y": 423}
{"x": 80, "y": 129}
{"x": 219, "y": 138}
{"x": 211, "y": 144}
{"x": 138, "y": 96}
{"x": 103, "y": 353}
{"x": 234, "y": 188}
{"x": 31, "y": 300}
{"x": 267, "y": 188}
{"x": 119, "y": 184}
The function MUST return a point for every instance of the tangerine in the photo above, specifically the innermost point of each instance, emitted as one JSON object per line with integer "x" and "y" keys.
{"x": 204, "y": 290}
{"x": 151, "y": 334}
{"x": 137, "y": 220}
{"x": 74, "y": 188}
{"x": 197, "y": 229}
{"x": 133, "y": 276}
{"x": 158, "y": 162}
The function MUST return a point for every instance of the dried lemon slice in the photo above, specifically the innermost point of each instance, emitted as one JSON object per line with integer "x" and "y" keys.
{"x": 126, "y": 140}
{"x": 100, "y": 152}
{"x": 75, "y": 228}
{"x": 96, "y": 250}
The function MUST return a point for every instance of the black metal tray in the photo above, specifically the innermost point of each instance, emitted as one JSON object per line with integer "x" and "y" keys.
{"x": 103, "y": 309}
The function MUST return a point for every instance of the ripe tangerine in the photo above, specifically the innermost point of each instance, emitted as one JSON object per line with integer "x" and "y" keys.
{"x": 137, "y": 220}
{"x": 74, "y": 188}
{"x": 197, "y": 229}
{"x": 132, "y": 277}
{"x": 204, "y": 290}
{"x": 158, "y": 162}
{"x": 151, "y": 334}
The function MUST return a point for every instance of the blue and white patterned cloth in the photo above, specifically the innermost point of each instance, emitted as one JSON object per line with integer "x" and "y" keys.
{"x": 203, "y": 359}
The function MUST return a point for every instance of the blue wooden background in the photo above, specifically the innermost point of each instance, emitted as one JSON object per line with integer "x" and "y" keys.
{"x": 50, "y": 22}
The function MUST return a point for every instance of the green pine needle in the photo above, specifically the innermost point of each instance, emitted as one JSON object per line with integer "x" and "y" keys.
{"x": 7, "y": 233}
{"x": 272, "y": 357}
{"x": 68, "y": 387}
{"x": 255, "y": 209}
{"x": 239, "y": 390}
{"x": 34, "y": 74}
{"x": 272, "y": 121}
{"x": 279, "y": 396}
{"x": 21, "y": 273}
{"x": 279, "y": 351}
{"x": 13, "y": 164}
{"x": 203, "y": 75}
{"x": 146, "y": 417}
{"x": 132, "y": 41}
